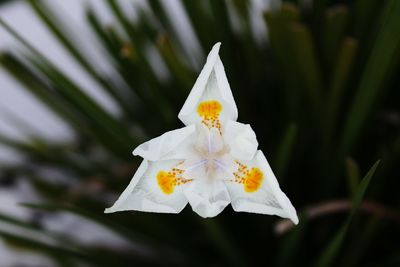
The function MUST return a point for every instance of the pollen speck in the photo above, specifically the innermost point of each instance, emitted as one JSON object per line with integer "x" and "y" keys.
{"x": 253, "y": 179}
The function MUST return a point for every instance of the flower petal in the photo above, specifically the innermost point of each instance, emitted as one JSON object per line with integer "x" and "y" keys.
{"x": 174, "y": 144}
{"x": 153, "y": 188}
{"x": 209, "y": 140}
{"x": 257, "y": 190}
{"x": 212, "y": 89}
{"x": 241, "y": 139}
{"x": 208, "y": 198}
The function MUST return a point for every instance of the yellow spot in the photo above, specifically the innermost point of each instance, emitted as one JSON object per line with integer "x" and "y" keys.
{"x": 166, "y": 181}
{"x": 253, "y": 179}
{"x": 210, "y": 111}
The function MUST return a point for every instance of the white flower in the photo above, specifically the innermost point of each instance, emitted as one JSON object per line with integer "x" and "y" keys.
{"x": 211, "y": 162}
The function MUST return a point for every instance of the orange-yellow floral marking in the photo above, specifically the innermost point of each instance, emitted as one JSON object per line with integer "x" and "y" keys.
{"x": 250, "y": 178}
{"x": 253, "y": 180}
{"x": 168, "y": 180}
{"x": 209, "y": 111}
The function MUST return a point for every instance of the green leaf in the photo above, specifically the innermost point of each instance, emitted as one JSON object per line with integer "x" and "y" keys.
{"x": 353, "y": 175}
{"x": 329, "y": 253}
{"x": 203, "y": 27}
{"x": 101, "y": 219}
{"x": 365, "y": 12}
{"x": 292, "y": 242}
{"x": 101, "y": 119}
{"x": 284, "y": 151}
{"x": 96, "y": 256}
{"x": 40, "y": 89}
{"x": 222, "y": 25}
{"x": 278, "y": 23}
{"x": 183, "y": 74}
{"x": 385, "y": 49}
{"x": 158, "y": 252}
{"x": 76, "y": 98}
{"x": 334, "y": 27}
{"x": 17, "y": 222}
{"x": 308, "y": 65}
{"x": 360, "y": 245}
{"x": 145, "y": 70}
{"x": 58, "y": 28}
{"x": 47, "y": 249}
{"x": 339, "y": 79}
{"x": 223, "y": 243}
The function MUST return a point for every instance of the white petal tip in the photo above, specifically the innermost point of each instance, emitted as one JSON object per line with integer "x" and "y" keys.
{"x": 215, "y": 49}
{"x": 217, "y": 45}
{"x": 295, "y": 220}
{"x": 135, "y": 152}
{"x": 109, "y": 210}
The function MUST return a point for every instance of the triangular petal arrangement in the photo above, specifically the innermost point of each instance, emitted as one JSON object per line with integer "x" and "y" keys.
{"x": 211, "y": 162}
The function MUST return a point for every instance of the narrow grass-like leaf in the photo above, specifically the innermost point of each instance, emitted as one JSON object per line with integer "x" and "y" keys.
{"x": 330, "y": 252}
{"x": 47, "y": 249}
{"x": 40, "y": 89}
{"x": 385, "y": 48}
{"x": 203, "y": 27}
{"x": 58, "y": 28}
{"x": 308, "y": 65}
{"x": 145, "y": 70}
{"x": 222, "y": 242}
{"x": 334, "y": 26}
{"x": 94, "y": 112}
{"x": 222, "y": 25}
{"x": 103, "y": 220}
{"x": 40, "y": 151}
{"x": 163, "y": 17}
{"x": 360, "y": 245}
{"x": 79, "y": 98}
{"x": 364, "y": 13}
{"x": 338, "y": 81}
{"x": 278, "y": 26}
{"x": 284, "y": 151}
{"x": 292, "y": 241}
{"x": 180, "y": 71}
{"x": 17, "y": 222}
{"x": 99, "y": 257}
{"x": 353, "y": 175}
{"x": 147, "y": 244}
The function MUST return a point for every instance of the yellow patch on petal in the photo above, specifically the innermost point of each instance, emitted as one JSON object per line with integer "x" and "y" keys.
{"x": 209, "y": 111}
{"x": 210, "y": 108}
{"x": 168, "y": 180}
{"x": 250, "y": 178}
{"x": 252, "y": 181}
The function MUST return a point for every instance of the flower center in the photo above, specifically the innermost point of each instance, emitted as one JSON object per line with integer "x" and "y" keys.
{"x": 211, "y": 154}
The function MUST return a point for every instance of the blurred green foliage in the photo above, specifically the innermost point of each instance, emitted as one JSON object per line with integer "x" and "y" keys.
{"x": 321, "y": 93}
